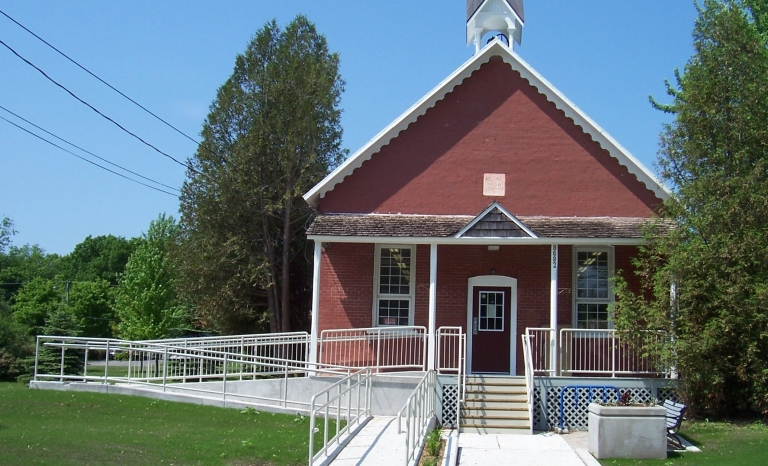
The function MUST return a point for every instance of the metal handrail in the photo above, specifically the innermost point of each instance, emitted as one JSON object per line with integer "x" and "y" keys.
{"x": 333, "y": 405}
{"x": 419, "y": 412}
{"x": 221, "y": 366}
{"x": 528, "y": 362}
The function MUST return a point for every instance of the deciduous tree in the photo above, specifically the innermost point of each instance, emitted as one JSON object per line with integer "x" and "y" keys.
{"x": 97, "y": 258}
{"x": 146, "y": 301}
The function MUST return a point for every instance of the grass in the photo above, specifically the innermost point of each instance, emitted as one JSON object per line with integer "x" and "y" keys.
{"x": 77, "y": 428}
{"x": 721, "y": 443}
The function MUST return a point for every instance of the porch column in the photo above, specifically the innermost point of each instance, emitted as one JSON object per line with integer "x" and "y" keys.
{"x": 432, "y": 306}
{"x": 553, "y": 310}
{"x": 315, "y": 303}
{"x": 673, "y": 306}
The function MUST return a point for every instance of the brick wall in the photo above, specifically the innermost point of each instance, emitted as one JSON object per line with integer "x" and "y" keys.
{"x": 347, "y": 274}
{"x": 346, "y": 286}
{"x": 494, "y": 122}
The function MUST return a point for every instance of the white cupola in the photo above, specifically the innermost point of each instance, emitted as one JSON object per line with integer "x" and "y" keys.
{"x": 504, "y": 17}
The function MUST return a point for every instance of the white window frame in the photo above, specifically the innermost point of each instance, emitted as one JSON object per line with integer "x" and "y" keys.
{"x": 575, "y": 286}
{"x": 503, "y": 306}
{"x": 411, "y": 296}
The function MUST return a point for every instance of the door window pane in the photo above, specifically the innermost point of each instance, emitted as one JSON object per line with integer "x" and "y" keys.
{"x": 491, "y": 312}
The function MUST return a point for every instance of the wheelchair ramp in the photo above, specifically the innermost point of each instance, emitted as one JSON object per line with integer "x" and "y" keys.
{"x": 378, "y": 443}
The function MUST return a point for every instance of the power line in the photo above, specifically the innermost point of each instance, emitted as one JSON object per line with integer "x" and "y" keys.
{"x": 101, "y": 80}
{"x": 94, "y": 108}
{"x": 87, "y": 151}
{"x": 86, "y": 160}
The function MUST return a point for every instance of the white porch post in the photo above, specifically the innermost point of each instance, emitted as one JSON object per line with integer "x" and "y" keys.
{"x": 553, "y": 310}
{"x": 315, "y": 303}
{"x": 432, "y": 306}
{"x": 673, "y": 305}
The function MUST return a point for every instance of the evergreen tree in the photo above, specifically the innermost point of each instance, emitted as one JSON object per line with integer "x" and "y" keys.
{"x": 715, "y": 157}
{"x": 60, "y": 322}
{"x": 272, "y": 133}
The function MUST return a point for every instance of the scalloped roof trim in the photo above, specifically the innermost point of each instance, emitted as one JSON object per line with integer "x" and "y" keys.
{"x": 495, "y": 48}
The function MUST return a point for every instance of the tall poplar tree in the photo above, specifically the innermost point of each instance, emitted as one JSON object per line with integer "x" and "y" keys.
{"x": 714, "y": 155}
{"x": 273, "y": 131}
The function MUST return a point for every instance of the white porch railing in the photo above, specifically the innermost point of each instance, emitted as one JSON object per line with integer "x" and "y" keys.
{"x": 603, "y": 352}
{"x": 419, "y": 411}
{"x": 539, "y": 341}
{"x": 386, "y": 348}
{"x": 451, "y": 358}
{"x": 348, "y": 400}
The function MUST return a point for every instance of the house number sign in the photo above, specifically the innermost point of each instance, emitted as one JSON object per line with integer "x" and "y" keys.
{"x": 493, "y": 184}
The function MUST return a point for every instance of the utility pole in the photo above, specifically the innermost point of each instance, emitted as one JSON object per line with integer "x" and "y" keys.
{"x": 67, "y": 292}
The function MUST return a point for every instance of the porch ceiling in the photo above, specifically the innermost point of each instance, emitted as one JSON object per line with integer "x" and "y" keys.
{"x": 446, "y": 226}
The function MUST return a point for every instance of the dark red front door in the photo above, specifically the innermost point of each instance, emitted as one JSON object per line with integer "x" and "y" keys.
{"x": 491, "y": 319}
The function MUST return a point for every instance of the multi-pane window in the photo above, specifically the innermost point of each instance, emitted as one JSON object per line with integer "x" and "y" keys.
{"x": 394, "y": 288}
{"x": 593, "y": 287}
{"x": 491, "y": 311}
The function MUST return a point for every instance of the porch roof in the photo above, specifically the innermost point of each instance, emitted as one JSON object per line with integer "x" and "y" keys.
{"x": 447, "y": 226}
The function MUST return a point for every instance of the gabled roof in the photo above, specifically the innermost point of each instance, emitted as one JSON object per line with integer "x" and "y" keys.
{"x": 495, "y": 222}
{"x": 544, "y": 87}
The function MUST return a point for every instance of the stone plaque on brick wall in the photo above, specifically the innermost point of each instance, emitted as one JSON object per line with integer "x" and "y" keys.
{"x": 493, "y": 184}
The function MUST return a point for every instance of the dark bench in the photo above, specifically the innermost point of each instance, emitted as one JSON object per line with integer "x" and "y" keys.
{"x": 675, "y": 412}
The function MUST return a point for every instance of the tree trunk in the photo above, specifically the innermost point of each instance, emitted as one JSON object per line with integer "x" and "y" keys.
{"x": 287, "y": 260}
{"x": 272, "y": 299}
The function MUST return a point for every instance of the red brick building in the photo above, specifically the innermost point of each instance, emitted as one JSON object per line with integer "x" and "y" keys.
{"x": 493, "y": 204}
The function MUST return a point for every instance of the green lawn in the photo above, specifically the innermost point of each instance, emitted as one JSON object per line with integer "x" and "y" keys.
{"x": 721, "y": 443}
{"x": 76, "y": 428}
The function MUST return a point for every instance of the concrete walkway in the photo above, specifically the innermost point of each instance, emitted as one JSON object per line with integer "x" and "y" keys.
{"x": 378, "y": 443}
{"x": 524, "y": 450}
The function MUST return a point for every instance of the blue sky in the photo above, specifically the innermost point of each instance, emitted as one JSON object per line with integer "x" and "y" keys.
{"x": 606, "y": 56}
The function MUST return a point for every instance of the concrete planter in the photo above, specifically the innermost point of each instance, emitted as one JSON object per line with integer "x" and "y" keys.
{"x": 627, "y": 431}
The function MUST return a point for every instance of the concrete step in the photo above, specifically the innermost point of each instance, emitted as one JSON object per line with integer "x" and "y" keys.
{"x": 495, "y": 389}
{"x": 495, "y": 411}
{"x": 495, "y": 404}
{"x": 495, "y": 430}
{"x": 475, "y": 416}
{"x": 504, "y": 405}
{"x": 508, "y": 397}
{"x": 496, "y": 422}
{"x": 495, "y": 380}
